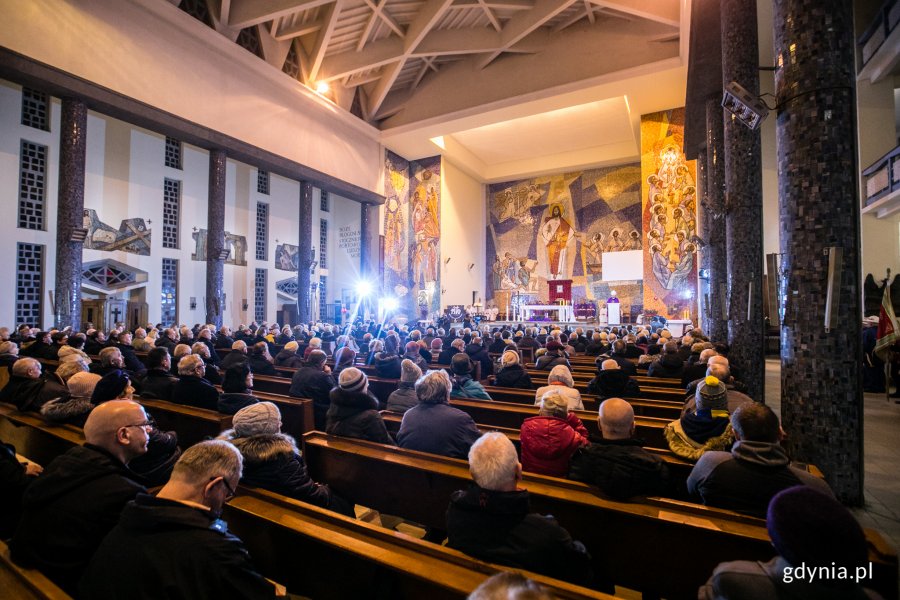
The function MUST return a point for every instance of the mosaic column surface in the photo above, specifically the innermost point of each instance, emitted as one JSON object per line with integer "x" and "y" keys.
{"x": 703, "y": 218}
{"x": 304, "y": 259}
{"x": 819, "y": 207}
{"x": 215, "y": 239}
{"x": 69, "y": 213}
{"x": 715, "y": 210}
{"x": 743, "y": 201}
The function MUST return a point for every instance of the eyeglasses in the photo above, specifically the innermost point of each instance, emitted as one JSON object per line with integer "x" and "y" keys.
{"x": 231, "y": 492}
{"x": 144, "y": 425}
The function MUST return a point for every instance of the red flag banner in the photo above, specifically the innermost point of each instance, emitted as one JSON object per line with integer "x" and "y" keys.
{"x": 887, "y": 326}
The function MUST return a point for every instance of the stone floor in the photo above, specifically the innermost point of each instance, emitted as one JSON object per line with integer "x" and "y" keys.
{"x": 882, "y": 457}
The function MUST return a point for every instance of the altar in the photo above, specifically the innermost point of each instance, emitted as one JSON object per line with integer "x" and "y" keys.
{"x": 676, "y": 327}
{"x": 564, "y": 312}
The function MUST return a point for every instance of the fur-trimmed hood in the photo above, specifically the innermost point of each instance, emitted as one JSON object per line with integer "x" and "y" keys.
{"x": 67, "y": 410}
{"x": 262, "y": 448}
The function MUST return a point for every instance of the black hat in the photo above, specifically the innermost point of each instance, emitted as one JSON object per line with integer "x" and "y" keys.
{"x": 110, "y": 387}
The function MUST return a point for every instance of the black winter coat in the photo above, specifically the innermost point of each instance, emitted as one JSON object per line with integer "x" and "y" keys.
{"x": 234, "y": 357}
{"x": 195, "y": 391}
{"x": 230, "y": 403}
{"x": 479, "y": 354}
{"x": 549, "y": 360}
{"x": 32, "y": 394}
{"x": 613, "y": 383}
{"x": 446, "y": 355}
{"x": 260, "y": 366}
{"x": 67, "y": 511}
{"x": 286, "y": 358}
{"x": 13, "y": 482}
{"x": 387, "y": 366}
{"x": 132, "y": 363}
{"x": 620, "y": 468}
{"x": 315, "y": 384}
{"x": 669, "y": 365}
{"x": 513, "y": 376}
{"x": 157, "y": 383}
{"x": 162, "y": 548}
{"x": 499, "y": 527}
{"x": 355, "y": 415}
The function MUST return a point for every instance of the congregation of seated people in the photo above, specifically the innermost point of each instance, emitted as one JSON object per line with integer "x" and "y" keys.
{"x": 87, "y": 521}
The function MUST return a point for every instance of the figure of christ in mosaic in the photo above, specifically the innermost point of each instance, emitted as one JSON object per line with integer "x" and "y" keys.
{"x": 557, "y": 234}
{"x": 426, "y": 234}
{"x": 393, "y": 234}
{"x": 672, "y": 228}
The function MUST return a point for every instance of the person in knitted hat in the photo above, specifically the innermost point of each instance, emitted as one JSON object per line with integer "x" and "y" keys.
{"x": 387, "y": 362}
{"x": 757, "y": 468}
{"x": 560, "y": 381}
{"x": 555, "y": 355}
{"x": 272, "y": 460}
{"x": 709, "y": 428}
{"x": 354, "y": 411}
{"x": 550, "y": 439}
{"x": 463, "y": 386}
{"x": 809, "y": 530}
{"x": 288, "y": 356}
{"x": 404, "y": 397}
{"x": 73, "y": 410}
{"x": 343, "y": 358}
{"x": 413, "y": 353}
{"x": 512, "y": 374}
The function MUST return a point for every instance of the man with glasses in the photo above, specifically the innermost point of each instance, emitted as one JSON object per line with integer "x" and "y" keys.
{"x": 192, "y": 389}
{"x": 174, "y": 543}
{"x": 81, "y": 493}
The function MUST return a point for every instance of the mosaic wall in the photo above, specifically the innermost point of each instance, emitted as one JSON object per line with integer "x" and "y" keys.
{"x": 412, "y": 233}
{"x": 286, "y": 256}
{"x": 668, "y": 200}
{"x": 558, "y": 227}
{"x": 235, "y": 244}
{"x": 132, "y": 235}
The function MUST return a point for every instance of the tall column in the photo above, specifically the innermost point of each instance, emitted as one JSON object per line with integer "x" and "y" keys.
{"x": 365, "y": 242}
{"x": 704, "y": 221}
{"x": 715, "y": 208}
{"x": 215, "y": 239}
{"x": 304, "y": 262}
{"x": 743, "y": 202}
{"x": 69, "y": 213}
{"x": 821, "y": 386}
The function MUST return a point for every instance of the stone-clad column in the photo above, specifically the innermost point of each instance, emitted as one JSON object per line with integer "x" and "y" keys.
{"x": 703, "y": 231}
{"x": 365, "y": 242}
{"x": 715, "y": 211}
{"x": 821, "y": 386}
{"x": 304, "y": 260}
{"x": 743, "y": 201}
{"x": 215, "y": 239}
{"x": 69, "y": 213}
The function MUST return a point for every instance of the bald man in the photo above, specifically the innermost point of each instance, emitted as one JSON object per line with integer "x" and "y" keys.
{"x": 617, "y": 463}
{"x": 81, "y": 493}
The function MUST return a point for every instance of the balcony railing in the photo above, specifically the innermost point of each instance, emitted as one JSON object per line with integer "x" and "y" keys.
{"x": 882, "y": 26}
{"x": 882, "y": 182}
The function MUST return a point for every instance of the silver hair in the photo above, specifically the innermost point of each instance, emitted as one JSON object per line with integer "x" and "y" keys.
{"x": 493, "y": 461}
{"x": 207, "y": 460}
{"x": 107, "y": 354}
{"x": 181, "y": 350}
{"x": 188, "y": 364}
{"x": 239, "y": 345}
{"x": 720, "y": 371}
{"x": 433, "y": 387}
{"x": 200, "y": 349}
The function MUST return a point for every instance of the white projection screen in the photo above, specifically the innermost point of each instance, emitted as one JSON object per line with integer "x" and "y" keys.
{"x": 623, "y": 266}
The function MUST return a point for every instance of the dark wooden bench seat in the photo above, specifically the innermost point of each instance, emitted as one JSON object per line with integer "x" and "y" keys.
{"x": 18, "y": 583}
{"x": 644, "y": 407}
{"x": 665, "y": 548}
{"x": 323, "y": 555}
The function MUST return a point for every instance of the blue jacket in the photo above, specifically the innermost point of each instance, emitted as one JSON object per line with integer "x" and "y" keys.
{"x": 439, "y": 429}
{"x": 466, "y": 387}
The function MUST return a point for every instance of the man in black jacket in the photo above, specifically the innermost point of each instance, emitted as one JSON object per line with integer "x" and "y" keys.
{"x": 192, "y": 389}
{"x": 476, "y": 352}
{"x": 314, "y": 381}
{"x": 611, "y": 381}
{"x": 157, "y": 381}
{"x": 617, "y": 463}
{"x": 492, "y": 520}
{"x": 81, "y": 493}
{"x": 133, "y": 364}
{"x": 174, "y": 543}
{"x": 28, "y": 390}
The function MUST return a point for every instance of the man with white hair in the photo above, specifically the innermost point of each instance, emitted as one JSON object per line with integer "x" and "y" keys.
{"x": 176, "y": 540}
{"x": 698, "y": 369}
{"x": 81, "y": 493}
{"x": 492, "y": 520}
{"x": 27, "y": 389}
{"x": 617, "y": 462}
{"x": 611, "y": 381}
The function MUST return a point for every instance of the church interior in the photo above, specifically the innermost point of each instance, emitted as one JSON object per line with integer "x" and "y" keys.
{"x": 624, "y": 167}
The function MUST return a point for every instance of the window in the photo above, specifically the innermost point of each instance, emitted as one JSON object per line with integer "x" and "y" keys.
{"x": 35, "y": 109}
{"x": 169, "y": 314}
{"x": 262, "y": 182}
{"x": 323, "y": 243}
{"x": 323, "y": 201}
{"x": 259, "y": 296}
{"x": 29, "y": 288}
{"x": 171, "y": 202}
{"x": 173, "y": 153}
{"x": 262, "y": 230}
{"x": 323, "y": 297}
{"x": 292, "y": 62}
{"x": 32, "y": 178}
{"x": 248, "y": 39}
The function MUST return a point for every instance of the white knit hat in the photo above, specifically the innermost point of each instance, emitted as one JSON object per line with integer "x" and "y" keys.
{"x": 259, "y": 418}
{"x": 353, "y": 380}
{"x": 81, "y": 385}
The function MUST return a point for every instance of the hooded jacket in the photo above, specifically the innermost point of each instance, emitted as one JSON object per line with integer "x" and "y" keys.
{"x": 620, "y": 468}
{"x": 549, "y": 360}
{"x": 446, "y": 355}
{"x": 613, "y": 383}
{"x": 68, "y": 510}
{"x": 355, "y": 415}
{"x": 287, "y": 358}
{"x": 403, "y": 398}
{"x": 387, "y": 366}
{"x": 548, "y": 443}
{"x": 669, "y": 365}
{"x": 479, "y": 354}
{"x": 464, "y": 386}
{"x": 162, "y": 548}
{"x": 714, "y": 436}
{"x": 747, "y": 478}
{"x": 513, "y": 376}
{"x": 499, "y": 527}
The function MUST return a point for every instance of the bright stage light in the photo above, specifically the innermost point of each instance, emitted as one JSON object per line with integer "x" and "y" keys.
{"x": 363, "y": 288}
{"x": 389, "y": 303}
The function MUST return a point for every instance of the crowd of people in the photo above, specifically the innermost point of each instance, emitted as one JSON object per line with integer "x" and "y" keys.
{"x": 87, "y": 521}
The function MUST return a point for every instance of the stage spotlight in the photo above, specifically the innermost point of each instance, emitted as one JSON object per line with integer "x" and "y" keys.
{"x": 748, "y": 109}
{"x": 363, "y": 289}
{"x": 389, "y": 303}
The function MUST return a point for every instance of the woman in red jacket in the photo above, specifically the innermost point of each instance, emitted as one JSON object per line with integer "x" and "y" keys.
{"x": 550, "y": 439}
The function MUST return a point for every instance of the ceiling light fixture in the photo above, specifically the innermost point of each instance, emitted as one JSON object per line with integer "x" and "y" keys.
{"x": 322, "y": 87}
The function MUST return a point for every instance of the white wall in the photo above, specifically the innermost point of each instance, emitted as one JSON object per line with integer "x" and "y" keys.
{"x": 151, "y": 51}
{"x": 463, "y": 234}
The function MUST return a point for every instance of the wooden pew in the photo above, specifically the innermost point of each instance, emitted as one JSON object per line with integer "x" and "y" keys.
{"x": 649, "y": 408}
{"x": 25, "y": 584}
{"x": 323, "y": 555}
{"x": 663, "y": 548}
{"x": 35, "y": 438}
{"x": 190, "y": 423}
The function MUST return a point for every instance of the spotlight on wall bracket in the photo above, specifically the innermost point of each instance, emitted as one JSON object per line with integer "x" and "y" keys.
{"x": 78, "y": 235}
{"x": 749, "y": 109}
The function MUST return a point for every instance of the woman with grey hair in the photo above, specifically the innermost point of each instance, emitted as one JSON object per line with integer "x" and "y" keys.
{"x": 560, "y": 380}
{"x": 550, "y": 439}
